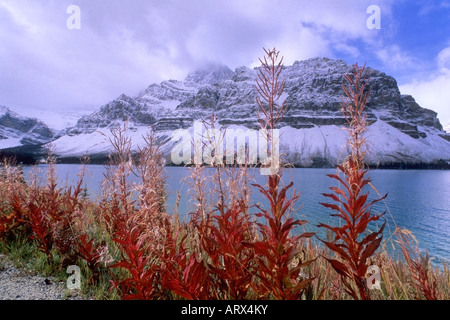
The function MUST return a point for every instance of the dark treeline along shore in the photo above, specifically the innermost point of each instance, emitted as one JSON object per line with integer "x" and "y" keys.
{"x": 32, "y": 155}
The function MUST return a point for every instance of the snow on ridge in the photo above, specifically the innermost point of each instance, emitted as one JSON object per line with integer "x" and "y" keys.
{"x": 3, "y": 110}
{"x": 96, "y": 142}
{"x": 386, "y": 141}
{"x": 301, "y": 146}
{"x": 10, "y": 142}
{"x": 171, "y": 104}
{"x": 447, "y": 128}
{"x": 53, "y": 120}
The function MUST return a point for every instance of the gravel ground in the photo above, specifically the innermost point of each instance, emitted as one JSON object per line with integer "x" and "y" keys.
{"x": 18, "y": 284}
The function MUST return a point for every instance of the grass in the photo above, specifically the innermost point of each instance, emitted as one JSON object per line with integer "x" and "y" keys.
{"x": 397, "y": 280}
{"x": 129, "y": 247}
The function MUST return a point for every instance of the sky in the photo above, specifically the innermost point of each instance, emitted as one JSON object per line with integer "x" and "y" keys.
{"x": 56, "y": 64}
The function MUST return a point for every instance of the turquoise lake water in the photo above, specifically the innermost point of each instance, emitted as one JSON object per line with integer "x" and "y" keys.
{"x": 418, "y": 200}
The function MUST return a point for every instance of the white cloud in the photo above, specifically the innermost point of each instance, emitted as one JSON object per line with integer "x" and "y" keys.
{"x": 347, "y": 49}
{"x": 394, "y": 57}
{"x": 123, "y": 47}
{"x": 443, "y": 59}
{"x": 434, "y": 92}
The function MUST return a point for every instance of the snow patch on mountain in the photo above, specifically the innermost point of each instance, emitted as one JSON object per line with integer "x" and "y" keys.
{"x": 17, "y": 130}
{"x": 324, "y": 145}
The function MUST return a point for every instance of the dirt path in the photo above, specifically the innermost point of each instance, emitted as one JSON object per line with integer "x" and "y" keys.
{"x": 18, "y": 284}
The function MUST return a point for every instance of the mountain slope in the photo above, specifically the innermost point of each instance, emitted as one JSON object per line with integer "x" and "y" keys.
{"x": 16, "y": 130}
{"x": 400, "y": 131}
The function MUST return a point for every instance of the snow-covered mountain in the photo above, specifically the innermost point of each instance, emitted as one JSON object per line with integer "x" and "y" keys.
{"x": 17, "y": 130}
{"x": 311, "y": 131}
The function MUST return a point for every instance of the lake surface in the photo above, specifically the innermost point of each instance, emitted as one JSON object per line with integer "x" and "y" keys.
{"x": 418, "y": 200}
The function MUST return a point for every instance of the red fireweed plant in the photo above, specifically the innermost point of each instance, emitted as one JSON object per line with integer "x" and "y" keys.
{"x": 278, "y": 259}
{"x": 136, "y": 224}
{"x": 351, "y": 244}
{"x": 215, "y": 255}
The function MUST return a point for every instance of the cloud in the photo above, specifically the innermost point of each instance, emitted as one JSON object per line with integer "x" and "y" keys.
{"x": 393, "y": 57}
{"x": 49, "y": 66}
{"x": 432, "y": 6}
{"x": 123, "y": 47}
{"x": 443, "y": 60}
{"x": 350, "y": 50}
{"x": 433, "y": 92}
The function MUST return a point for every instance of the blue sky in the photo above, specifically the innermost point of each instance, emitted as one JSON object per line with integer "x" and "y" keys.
{"x": 49, "y": 71}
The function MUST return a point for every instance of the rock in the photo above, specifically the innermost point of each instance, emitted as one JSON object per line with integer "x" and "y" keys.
{"x": 20, "y": 130}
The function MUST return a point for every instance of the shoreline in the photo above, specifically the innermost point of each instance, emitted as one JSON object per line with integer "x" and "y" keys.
{"x": 385, "y": 166}
{"x": 33, "y": 155}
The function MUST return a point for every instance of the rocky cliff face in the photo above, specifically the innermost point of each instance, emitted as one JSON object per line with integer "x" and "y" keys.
{"x": 400, "y": 131}
{"x": 16, "y": 130}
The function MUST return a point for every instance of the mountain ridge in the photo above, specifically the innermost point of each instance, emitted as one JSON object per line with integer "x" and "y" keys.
{"x": 401, "y": 131}
{"x": 16, "y": 130}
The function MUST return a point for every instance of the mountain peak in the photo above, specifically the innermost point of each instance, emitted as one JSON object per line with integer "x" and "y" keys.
{"x": 400, "y": 130}
{"x": 3, "y": 110}
{"x": 210, "y": 74}
{"x": 7, "y": 111}
{"x": 17, "y": 130}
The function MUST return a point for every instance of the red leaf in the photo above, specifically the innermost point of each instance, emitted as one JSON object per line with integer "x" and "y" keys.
{"x": 339, "y": 267}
